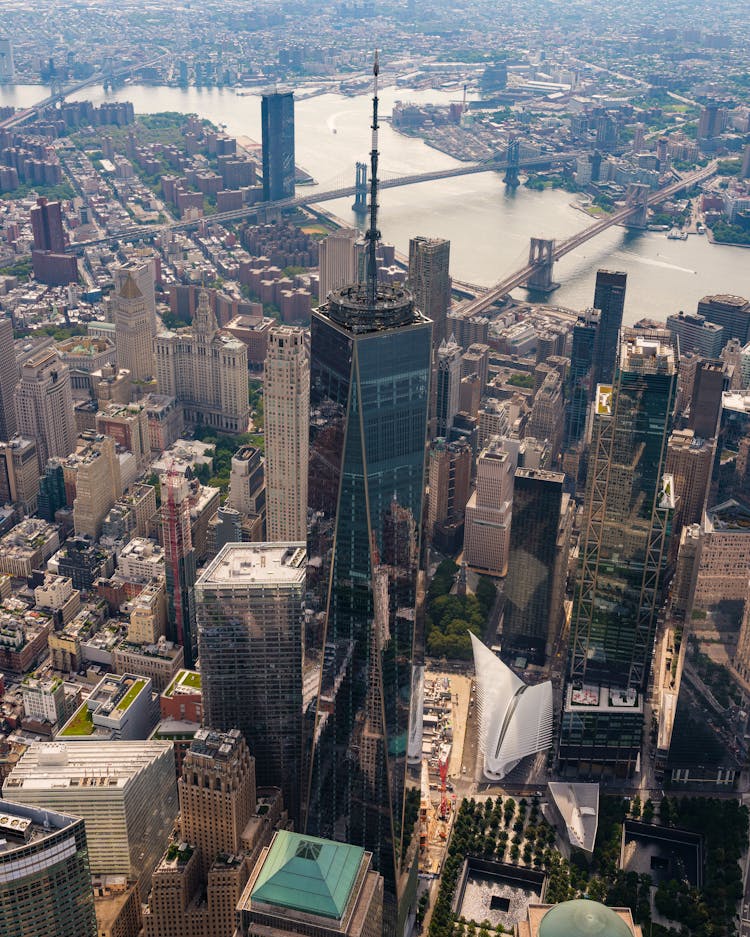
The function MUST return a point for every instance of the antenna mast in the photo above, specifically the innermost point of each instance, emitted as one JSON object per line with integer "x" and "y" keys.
{"x": 373, "y": 235}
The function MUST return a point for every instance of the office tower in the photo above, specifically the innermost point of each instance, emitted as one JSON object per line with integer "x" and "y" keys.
{"x": 45, "y": 880}
{"x": 304, "y": 885}
{"x": 180, "y": 563}
{"x": 448, "y": 381}
{"x": 127, "y": 424}
{"x": 277, "y": 117}
{"x": 745, "y": 170}
{"x": 250, "y": 637}
{"x": 585, "y": 333}
{"x": 133, "y": 330}
{"x": 95, "y": 471}
{"x": 731, "y": 312}
{"x": 339, "y": 255}
{"x": 723, "y": 565}
{"x": 449, "y": 478}
{"x": 44, "y": 405}
{"x": 247, "y": 491}
{"x": 710, "y": 381}
{"x": 50, "y": 263}
{"x": 689, "y": 461}
{"x": 47, "y": 227}
{"x": 217, "y": 793}
{"x": 10, "y": 375}
{"x": 696, "y": 333}
{"x": 624, "y": 543}
{"x": 546, "y": 421}
{"x": 369, "y": 396}
{"x": 609, "y": 299}
{"x": 7, "y": 66}
{"x": 223, "y": 827}
{"x": 476, "y": 360}
{"x": 286, "y": 408}
{"x": 144, "y": 271}
{"x": 206, "y": 370}
{"x": 51, "y": 490}
{"x": 537, "y": 564}
{"x": 124, "y": 792}
{"x": 487, "y": 532}
{"x": 19, "y": 474}
{"x": 430, "y": 282}
{"x": 712, "y": 121}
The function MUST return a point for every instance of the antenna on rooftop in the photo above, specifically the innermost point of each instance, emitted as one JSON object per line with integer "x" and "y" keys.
{"x": 373, "y": 235}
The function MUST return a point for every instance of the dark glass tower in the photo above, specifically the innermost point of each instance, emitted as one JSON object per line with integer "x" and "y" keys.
{"x": 585, "y": 332}
{"x": 277, "y": 117}
{"x": 369, "y": 395}
{"x": 626, "y": 526}
{"x": 609, "y": 298}
{"x": 533, "y": 589}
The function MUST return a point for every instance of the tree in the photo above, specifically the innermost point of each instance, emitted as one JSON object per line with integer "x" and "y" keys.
{"x": 635, "y": 807}
{"x": 648, "y": 811}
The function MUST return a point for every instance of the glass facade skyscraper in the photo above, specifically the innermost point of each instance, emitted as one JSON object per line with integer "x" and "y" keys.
{"x": 585, "y": 333}
{"x": 609, "y": 299}
{"x": 370, "y": 370}
{"x": 277, "y": 118}
{"x": 627, "y": 516}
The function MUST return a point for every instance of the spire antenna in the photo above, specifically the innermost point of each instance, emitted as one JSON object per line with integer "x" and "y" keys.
{"x": 373, "y": 235}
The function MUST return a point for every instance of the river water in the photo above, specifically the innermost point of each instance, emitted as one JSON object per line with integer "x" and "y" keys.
{"x": 489, "y": 229}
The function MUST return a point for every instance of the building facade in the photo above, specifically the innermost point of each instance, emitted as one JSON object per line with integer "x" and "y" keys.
{"x": 206, "y": 370}
{"x": 45, "y": 879}
{"x": 249, "y": 605}
{"x": 10, "y": 375}
{"x": 624, "y": 542}
{"x": 447, "y": 385}
{"x": 488, "y": 513}
{"x": 180, "y": 564}
{"x": 340, "y": 256}
{"x": 277, "y": 117}
{"x": 609, "y": 299}
{"x": 430, "y": 282}
{"x": 44, "y": 405}
{"x": 286, "y": 407}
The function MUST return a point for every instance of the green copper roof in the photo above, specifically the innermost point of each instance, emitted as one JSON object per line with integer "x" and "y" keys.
{"x": 583, "y": 918}
{"x": 308, "y": 874}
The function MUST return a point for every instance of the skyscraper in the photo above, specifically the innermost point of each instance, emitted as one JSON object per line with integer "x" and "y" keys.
{"x": 369, "y": 393}
{"x": 537, "y": 558}
{"x": 7, "y": 66}
{"x": 448, "y": 381}
{"x": 286, "y": 408}
{"x": 624, "y": 542}
{"x": 45, "y": 880}
{"x": 581, "y": 365}
{"x": 277, "y": 116}
{"x": 44, "y": 405}
{"x": 488, "y": 512}
{"x": 9, "y": 377}
{"x": 50, "y": 262}
{"x": 339, "y": 256}
{"x": 430, "y": 281}
{"x": 249, "y": 614}
{"x": 133, "y": 330}
{"x": 180, "y": 563}
{"x": 609, "y": 299}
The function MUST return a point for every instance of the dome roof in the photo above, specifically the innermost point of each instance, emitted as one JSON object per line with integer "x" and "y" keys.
{"x": 583, "y": 918}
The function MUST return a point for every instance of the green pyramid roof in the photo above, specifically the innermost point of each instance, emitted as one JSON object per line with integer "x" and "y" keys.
{"x": 308, "y": 874}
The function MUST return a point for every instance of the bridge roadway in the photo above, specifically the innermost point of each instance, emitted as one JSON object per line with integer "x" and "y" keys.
{"x": 20, "y": 116}
{"x": 476, "y": 306}
{"x": 316, "y": 197}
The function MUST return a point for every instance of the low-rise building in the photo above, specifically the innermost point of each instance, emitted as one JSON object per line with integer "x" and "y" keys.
{"x": 119, "y": 708}
{"x": 160, "y": 662}
{"x": 27, "y": 547}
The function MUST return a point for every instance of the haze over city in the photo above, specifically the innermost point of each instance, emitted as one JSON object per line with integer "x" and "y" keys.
{"x": 374, "y": 477}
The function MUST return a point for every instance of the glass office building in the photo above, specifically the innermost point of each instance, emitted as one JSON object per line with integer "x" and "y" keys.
{"x": 370, "y": 369}
{"x": 627, "y": 517}
{"x": 277, "y": 119}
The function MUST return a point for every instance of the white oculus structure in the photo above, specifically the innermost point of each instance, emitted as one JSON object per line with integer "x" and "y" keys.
{"x": 515, "y": 720}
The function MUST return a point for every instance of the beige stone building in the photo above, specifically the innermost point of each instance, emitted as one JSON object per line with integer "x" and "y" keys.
{"x": 488, "y": 513}
{"x": 287, "y": 423}
{"x": 44, "y": 405}
{"x": 134, "y": 331}
{"x": 93, "y": 472}
{"x": 206, "y": 370}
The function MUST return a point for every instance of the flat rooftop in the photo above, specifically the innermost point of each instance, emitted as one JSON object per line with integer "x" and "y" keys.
{"x": 21, "y": 825}
{"x": 649, "y": 353}
{"x": 245, "y": 563}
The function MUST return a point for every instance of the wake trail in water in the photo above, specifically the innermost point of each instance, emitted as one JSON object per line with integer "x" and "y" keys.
{"x": 647, "y": 261}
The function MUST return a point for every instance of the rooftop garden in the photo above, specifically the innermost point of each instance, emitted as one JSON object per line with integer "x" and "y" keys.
{"x": 184, "y": 678}
{"x": 134, "y": 690}
{"x": 82, "y": 723}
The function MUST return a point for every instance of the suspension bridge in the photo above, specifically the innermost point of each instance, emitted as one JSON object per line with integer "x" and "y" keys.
{"x": 538, "y": 272}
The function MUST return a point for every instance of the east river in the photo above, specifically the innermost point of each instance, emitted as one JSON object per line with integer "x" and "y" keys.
{"x": 489, "y": 229}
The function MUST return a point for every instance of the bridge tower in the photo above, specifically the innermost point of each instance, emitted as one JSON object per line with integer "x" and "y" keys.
{"x": 542, "y": 259}
{"x": 360, "y": 187}
{"x": 637, "y": 196}
{"x": 513, "y": 157}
